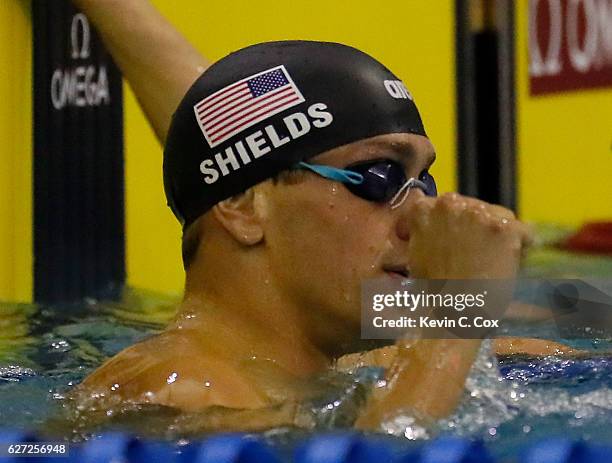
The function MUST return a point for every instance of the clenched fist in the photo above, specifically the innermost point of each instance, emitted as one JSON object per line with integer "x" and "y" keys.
{"x": 456, "y": 237}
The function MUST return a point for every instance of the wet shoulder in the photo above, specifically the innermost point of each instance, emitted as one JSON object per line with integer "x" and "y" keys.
{"x": 175, "y": 369}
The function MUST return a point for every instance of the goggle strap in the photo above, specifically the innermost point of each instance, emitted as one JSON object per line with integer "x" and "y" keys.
{"x": 405, "y": 189}
{"x": 333, "y": 173}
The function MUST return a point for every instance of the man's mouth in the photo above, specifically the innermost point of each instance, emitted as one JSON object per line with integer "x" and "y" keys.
{"x": 397, "y": 271}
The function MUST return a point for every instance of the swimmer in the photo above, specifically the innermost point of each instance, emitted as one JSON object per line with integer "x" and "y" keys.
{"x": 284, "y": 213}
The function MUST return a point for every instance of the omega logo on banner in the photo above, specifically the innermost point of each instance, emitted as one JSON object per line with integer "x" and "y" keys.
{"x": 84, "y": 84}
{"x": 570, "y": 45}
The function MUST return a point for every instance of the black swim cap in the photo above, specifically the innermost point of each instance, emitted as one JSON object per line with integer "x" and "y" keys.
{"x": 264, "y": 108}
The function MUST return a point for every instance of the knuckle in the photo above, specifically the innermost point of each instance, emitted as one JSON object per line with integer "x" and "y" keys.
{"x": 503, "y": 212}
{"x": 475, "y": 202}
{"x": 447, "y": 200}
{"x": 473, "y": 211}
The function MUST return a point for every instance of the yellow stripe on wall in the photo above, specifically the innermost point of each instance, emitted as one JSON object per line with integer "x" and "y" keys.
{"x": 564, "y": 147}
{"x": 414, "y": 39}
{"x": 16, "y": 272}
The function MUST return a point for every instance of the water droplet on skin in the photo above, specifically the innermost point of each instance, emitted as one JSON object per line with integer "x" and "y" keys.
{"x": 334, "y": 190}
{"x": 267, "y": 281}
{"x": 172, "y": 378}
{"x": 207, "y": 383}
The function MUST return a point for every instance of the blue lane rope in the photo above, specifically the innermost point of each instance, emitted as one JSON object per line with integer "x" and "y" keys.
{"x": 350, "y": 447}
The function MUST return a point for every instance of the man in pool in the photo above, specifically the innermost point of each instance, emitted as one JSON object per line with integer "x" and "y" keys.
{"x": 285, "y": 211}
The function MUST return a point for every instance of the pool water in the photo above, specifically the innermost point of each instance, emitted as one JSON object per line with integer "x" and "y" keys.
{"x": 44, "y": 351}
{"x": 509, "y": 402}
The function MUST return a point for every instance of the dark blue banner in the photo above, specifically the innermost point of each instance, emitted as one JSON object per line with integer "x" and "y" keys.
{"x": 79, "y": 248}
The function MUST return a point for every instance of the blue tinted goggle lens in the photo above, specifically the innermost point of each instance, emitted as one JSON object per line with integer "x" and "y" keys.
{"x": 382, "y": 179}
{"x": 428, "y": 179}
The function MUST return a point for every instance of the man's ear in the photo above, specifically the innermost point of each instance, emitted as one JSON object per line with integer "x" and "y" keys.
{"x": 240, "y": 217}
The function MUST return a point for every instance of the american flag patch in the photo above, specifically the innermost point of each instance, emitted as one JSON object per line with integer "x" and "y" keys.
{"x": 245, "y": 103}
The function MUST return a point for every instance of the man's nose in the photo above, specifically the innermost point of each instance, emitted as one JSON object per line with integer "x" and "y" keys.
{"x": 411, "y": 212}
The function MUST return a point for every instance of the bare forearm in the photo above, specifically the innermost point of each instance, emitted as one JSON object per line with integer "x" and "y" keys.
{"x": 426, "y": 382}
{"x": 158, "y": 62}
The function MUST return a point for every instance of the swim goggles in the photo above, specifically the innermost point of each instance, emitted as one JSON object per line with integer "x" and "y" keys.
{"x": 380, "y": 180}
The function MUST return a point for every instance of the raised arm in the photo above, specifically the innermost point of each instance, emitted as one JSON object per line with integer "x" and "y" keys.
{"x": 157, "y": 61}
{"x": 451, "y": 237}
